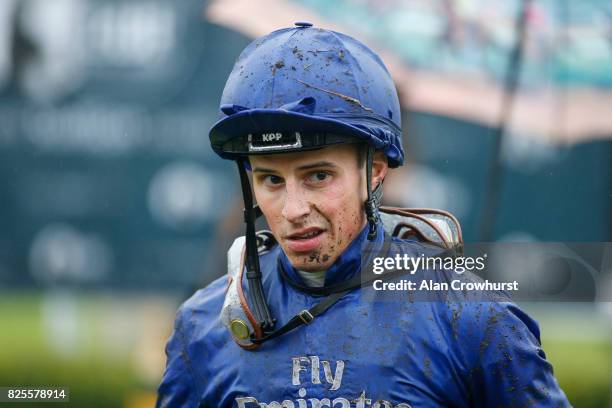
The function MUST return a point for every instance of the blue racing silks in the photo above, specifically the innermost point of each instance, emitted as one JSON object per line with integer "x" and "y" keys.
{"x": 360, "y": 352}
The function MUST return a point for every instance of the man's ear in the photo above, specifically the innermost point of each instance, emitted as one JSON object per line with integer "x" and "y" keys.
{"x": 380, "y": 165}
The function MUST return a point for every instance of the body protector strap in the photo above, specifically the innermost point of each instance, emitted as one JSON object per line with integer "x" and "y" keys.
{"x": 435, "y": 227}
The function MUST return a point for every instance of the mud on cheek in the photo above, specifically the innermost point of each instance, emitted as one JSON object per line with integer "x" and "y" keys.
{"x": 348, "y": 227}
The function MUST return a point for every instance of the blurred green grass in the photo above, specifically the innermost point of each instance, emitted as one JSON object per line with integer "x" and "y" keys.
{"x": 583, "y": 370}
{"x": 577, "y": 339}
{"x": 97, "y": 377}
{"x": 94, "y": 378}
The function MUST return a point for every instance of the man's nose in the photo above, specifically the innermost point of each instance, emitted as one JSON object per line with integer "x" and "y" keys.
{"x": 296, "y": 204}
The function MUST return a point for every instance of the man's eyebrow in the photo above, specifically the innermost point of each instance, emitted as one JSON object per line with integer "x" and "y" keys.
{"x": 302, "y": 167}
{"x": 263, "y": 170}
{"x": 317, "y": 164}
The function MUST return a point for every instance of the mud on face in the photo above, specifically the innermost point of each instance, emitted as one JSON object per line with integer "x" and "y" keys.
{"x": 322, "y": 190}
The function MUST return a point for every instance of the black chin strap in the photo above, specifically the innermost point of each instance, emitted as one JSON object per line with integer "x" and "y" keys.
{"x": 374, "y": 197}
{"x": 260, "y": 306}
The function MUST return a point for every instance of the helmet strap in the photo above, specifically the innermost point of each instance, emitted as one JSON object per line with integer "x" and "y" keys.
{"x": 253, "y": 274}
{"x": 374, "y": 197}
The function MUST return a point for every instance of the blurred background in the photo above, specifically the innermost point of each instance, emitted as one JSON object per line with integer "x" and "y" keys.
{"x": 113, "y": 208}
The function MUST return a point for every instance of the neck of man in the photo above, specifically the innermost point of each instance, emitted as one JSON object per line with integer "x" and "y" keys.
{"x": 313, "y": 279}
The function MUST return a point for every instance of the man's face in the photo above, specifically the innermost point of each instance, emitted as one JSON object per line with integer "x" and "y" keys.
{"x": 313, "y": 202}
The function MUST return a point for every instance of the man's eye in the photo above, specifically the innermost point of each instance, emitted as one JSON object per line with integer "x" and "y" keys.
{"x": 318, "y": 176}
{"x": 272, "y": 180}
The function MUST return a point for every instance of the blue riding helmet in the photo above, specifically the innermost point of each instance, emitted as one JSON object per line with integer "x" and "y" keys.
{"x": 296, "y": 87}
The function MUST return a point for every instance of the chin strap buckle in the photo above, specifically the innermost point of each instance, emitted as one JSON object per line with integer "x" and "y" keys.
{"x": 306, "y": 316}
{"x": 371, "y": 209}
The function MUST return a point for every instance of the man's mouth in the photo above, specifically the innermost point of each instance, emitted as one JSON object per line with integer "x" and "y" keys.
{"x": 305, "y": 240}
{"x": 311, "y": 232}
